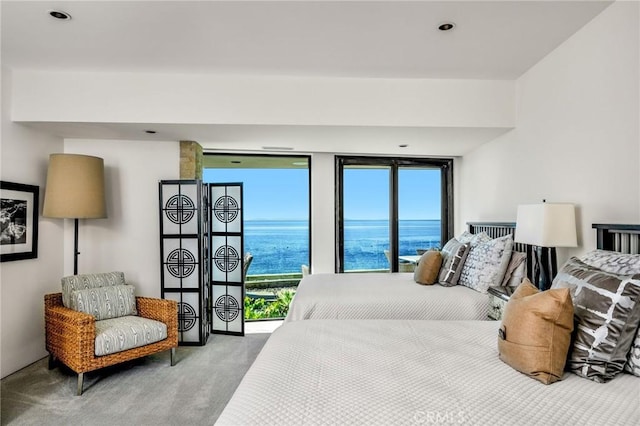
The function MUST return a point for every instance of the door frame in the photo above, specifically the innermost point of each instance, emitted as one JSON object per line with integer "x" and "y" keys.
{"x": 446, "y": 203}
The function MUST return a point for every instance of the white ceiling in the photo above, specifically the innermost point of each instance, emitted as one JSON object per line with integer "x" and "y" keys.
{"x": 389, "y": 39}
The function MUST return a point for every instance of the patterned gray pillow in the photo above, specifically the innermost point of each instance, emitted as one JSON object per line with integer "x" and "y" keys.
{"x": 633, "y": 359}
{"x": 454, "y": 254}
{"x": 607, "y": 314}
{"x": 486, "y": 264}
{"x": 612, "y": 261}
{"x": 106, "y": 302}
{"x": 79, "y": 282}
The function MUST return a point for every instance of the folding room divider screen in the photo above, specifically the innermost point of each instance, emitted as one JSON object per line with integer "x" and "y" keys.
{"x": 201, "y": 247}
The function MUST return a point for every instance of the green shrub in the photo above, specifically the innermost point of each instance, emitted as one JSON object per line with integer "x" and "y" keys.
{"x": 261, "y": 309}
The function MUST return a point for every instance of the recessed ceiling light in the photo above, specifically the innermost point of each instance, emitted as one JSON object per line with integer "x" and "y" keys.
{"x": 58, "y": 14}
{"x": 151, "y": 132}
{"x": 446, "y": 26}
{"x": 236, "y": 162}
{"x": 404, "y": 145}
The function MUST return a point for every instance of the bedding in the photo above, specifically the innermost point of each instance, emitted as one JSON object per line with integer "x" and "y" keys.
{"x": 379, "y": 372}
{"x": 383, "y": 295}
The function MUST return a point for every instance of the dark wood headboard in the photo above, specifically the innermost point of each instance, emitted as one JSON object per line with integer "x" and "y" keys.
{"x": 615, "y": 237}
{"x": 500, "y": 229}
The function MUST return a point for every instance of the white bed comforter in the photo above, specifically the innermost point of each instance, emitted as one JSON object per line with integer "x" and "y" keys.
{"x": 383, "y": 295}
{"x": 412, "y": 372}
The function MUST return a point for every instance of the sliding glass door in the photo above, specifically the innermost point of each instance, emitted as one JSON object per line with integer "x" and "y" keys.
{"x": 419, "y": 209}
{"x": 390, "y": 210}
{"x": 366, "y": 217}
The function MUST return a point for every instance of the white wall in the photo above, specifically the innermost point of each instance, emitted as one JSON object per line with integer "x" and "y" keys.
{"x": 209, "y": 99}
{"x": 323, "y": 213}
{"x": 577, "y": 135}
{"x": 23, "y": 283}
{"x": 128, "y": 239}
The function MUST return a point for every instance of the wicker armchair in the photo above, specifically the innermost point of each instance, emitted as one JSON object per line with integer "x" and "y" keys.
{"x": 70, "y": 335}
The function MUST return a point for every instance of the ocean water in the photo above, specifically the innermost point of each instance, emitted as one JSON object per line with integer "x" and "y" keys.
{"x": 283, "y": 246}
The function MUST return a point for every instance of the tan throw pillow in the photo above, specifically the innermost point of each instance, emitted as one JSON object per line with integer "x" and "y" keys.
{"x": 428, "y": 267}
{"x": 535, "y": 334}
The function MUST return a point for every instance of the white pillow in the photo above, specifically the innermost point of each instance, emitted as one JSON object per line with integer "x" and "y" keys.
{"x": 613, "y": 261}
{"x": 473, "y": 239}
{"x": 486, "y": 264}
{"x": 516, "y": 270}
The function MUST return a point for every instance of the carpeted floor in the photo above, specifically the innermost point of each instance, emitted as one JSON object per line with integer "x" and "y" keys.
{"x": 142, "y": 392}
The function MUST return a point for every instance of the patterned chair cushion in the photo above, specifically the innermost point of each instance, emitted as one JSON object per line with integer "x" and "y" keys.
{"x": 105, "y": 302}
{"x": 454, "y": 254}
{"x": 607, "y": 314}
{"x": 486, "y": 264}
{"x": 119, "y": 334}
{"x": 79, "y": 282}
{"x": 611, "y": 261}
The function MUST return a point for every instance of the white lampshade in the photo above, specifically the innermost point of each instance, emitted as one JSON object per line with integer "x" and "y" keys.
{"x": 75, "y": 187}
{"x": 546, "y": 225}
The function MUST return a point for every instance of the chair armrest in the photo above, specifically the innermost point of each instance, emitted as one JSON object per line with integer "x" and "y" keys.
{"x": 162, "y": 310}
{"x": 157, "y": 309}
{"x": 69, "y": 333}
{"x": 54, "y": 309}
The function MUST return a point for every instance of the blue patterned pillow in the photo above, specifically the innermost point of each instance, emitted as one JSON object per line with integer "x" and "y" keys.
{"x": 486, "y": 264}
{"x": 105, "y": 302}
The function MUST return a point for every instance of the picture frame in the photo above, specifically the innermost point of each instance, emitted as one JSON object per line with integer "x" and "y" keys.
{"x": 18, "y": 221}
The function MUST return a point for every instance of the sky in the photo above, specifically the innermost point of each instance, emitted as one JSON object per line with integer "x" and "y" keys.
{"x": 283, "y": 194}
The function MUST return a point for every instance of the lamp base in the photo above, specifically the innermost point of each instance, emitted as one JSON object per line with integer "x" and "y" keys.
{"x": 545, "y": 266}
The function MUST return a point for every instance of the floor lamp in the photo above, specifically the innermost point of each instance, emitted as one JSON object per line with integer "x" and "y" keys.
{"x": 546, "y": 226}
{"x": 75, "y": 190}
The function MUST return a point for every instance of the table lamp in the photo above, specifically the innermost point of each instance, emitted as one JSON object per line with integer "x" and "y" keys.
{"x": 546, "y": 226}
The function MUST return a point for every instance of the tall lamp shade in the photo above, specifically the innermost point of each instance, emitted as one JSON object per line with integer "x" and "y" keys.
{"x": 75, "y": 190}
{"x": 546, "y": 225}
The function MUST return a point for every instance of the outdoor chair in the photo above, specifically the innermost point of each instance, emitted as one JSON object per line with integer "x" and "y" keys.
{"x": 97, "y": 321}
{"x": 403, "y": 266}
{"x": 248, "y": 257}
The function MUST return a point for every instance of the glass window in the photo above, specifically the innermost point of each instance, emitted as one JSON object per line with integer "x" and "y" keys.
{"x": 389, "y": 211}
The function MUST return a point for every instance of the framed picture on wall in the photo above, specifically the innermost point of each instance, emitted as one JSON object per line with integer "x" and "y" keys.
{"x": 18, "y": 221}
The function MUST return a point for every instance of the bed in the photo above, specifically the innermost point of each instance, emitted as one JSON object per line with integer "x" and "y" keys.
{"x": 382, "y": 372}
{"x": 384, "y": 295}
